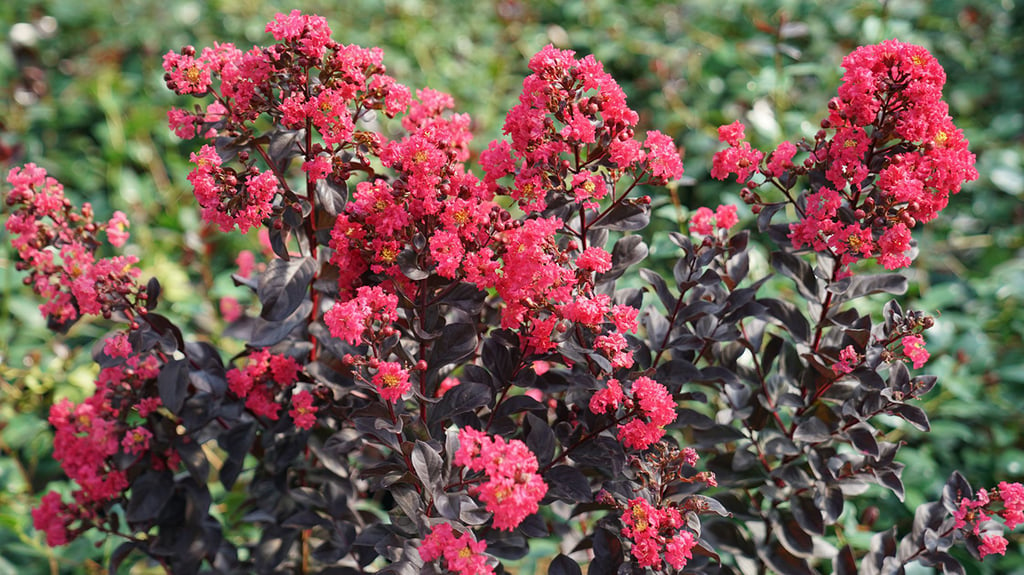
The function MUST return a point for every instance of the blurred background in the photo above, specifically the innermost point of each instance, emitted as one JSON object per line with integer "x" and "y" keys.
{"x": 83, "y": 96}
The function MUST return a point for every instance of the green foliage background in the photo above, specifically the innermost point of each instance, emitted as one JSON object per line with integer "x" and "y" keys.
{"x": 83, "y": 96}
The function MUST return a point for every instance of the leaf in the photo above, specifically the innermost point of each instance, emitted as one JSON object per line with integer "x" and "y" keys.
{"x": 172, "y": 384}
{"x": 862, "y": 436}
{"x": 812, "y": 430}
{"x": 629, "y": 250}
{"x": 807, "y": 515}
{"x": 152, "y": 293}
{"x": 284, "y": 286}
{"x": 568, "y": 484}
{"x": 913, "y": 415}
{"x": 844, "y": 563}
{"x": 540, "y": 439}
{"x": 563, "y": 565}
{"x": 457, "y": 342}
{"x": 860, "y": 285}
{"x": 795, "y": 268}
{"x": 150, "y": 493}
{"x": 428, "y": 466}
{"x": 467, "y": 396}
{"x": 624, "y": 216}
{"x": 267, "y": 333}
{"x": 788, "y": 316}
{"x": 332, "y": 195}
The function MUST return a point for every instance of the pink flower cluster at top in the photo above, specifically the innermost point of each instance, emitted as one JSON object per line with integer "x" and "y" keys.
{"x": 228, "y": 199}
{"x": 264, "y": 379}
{"x": 463, "y": 554}
{"x": 888, "y": 154}
{"x": 57, "y": 245}
{"x": 973, "y": 513}
{"x": 657, "y": 533}
{"x": 573, "y": 108}
{"x": 513, "y": 488}
{"x": 651, "y": 404}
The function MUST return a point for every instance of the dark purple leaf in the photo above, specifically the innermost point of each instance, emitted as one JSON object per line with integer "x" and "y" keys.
{"x": 660, "y": 287}
{"x": 457, "y": 342}
{"x": 795, "y": 268}
{"x": 812, "y": 430}
{"x": 628, "y": 250}
{"x": 540, "y": 438}
{"x": 807, "y": 514}
{"x": 152, "y": 293}
{"x": 150, "y": 493}
{"x": 860, "y": 285}
{"x": 568, "y": 484}
{"x": 407, "y": 261}
{"x": 284, "y": 286}
{"x": 267, "y": 333}
{"x": 913, "y": 415}
{"x": 625, "y": 216}
{"x": 428, "y": 465}
{"x": 844, "y": 563}
{"x": 782, "y": 561}
{"x": 563, "y": 565}
{"x": 787, "y": 316}
{"x": 172, "y": 384}
{"x": 332, "y": 195}
{"x": 862, "y": 436}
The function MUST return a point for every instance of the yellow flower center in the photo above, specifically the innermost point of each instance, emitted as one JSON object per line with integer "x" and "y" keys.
{"x": 192, "y": 74}
{"x": 389, "y": 380}
{"x": 388, "y": 255}
{"x": 941, "y": 138}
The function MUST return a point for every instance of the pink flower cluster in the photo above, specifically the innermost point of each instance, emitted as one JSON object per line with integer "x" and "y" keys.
{"x": 513, "y": 488}
{"x": 705, "y": 221}
{"x": 463, "y": 554}
{"x": 650, "y": 403}
{"x": 656, "y": 533}
{"x": 264, "y": 379}
{"x": 227, "y": 199}
{"x": 56, "y": 244}
{"x": 572, "y": 108}
{"x": 888, "y": 154}
{"x": 913, "y": 350}
{"x": 973, "y": 513}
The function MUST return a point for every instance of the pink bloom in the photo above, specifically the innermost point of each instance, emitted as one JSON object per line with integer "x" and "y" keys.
{"x": 848, "y": 359}
{"x": 117, "y": 346}
{"x": 608, "y": 398}
{"x": 136, "y": 440}
{"x": 657, "y": 409}
{"x": 183, "y": 123}
{"x": 446, "y": 384}
{"x": 117, "y": 229}
{"x": 391, "y": 380}
{"x": 513, "y": 487}
{"x": 52, "y": 518}
{"x": 725, "y": 217}
{"x": 185, "y": 74}
{"x": 702, "y": 221}
{"x": 462, "y": 555}
{"x": 679, "y": 548}
{"x": 663, "y": 157}
{"x": 741, "y": 160}
{"x": 992, "y": 544}
{"x": 1012, "y": 495}
{"x": 913, "y": 349}
{"x": 731, "y": 134}
{"x": 230, "y": 309}
{"x": 781, "y": 159}
{"x": 894, "y": 244}
{"x": 595, "y": 259}
{"x": 303, "y": 412}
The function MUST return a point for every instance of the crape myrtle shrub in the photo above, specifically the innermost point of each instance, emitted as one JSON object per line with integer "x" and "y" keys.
{"x": 442, "y": 366}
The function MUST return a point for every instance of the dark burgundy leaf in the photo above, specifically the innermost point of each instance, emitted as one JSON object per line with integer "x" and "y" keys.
{"x": 428, "y": 465}
{"x": 890, "y": 479}
{"x": 862, "y": 436}
{"x": 792, "y": 536}
{"x": 677, "y": 372}
{"x": 284, "y": 145}
{"x": 628, "y": 250}
{"x": 267, "y": 333}
{"x": 152, "y": 293}
{"x": 563, "y": 565}
{"x": 625, "y": 216}
{"x": 467, "y": 396}
{"x": 660, "y": 287}
{"x": 457, "y": 342}
{"x": 795, "y": 268}
{"x": 278, "y": 237}
{"x": 236, "y": 441}
{"x": 764, "y": 218}
{"x": 956, "y": 488}
{"x": 812, "y": 430}
{"x": 284, "y": 286}
{"x": 150, "y": 493}
{"x": 407, "y": 261}
{"x": 913, "y": 415}
{"x": 172, "y": 384}
{"x": 608, "y": 553}
{"x": 332, "y": 195}
{"x": 844, "y": 563}
{"x": 859, "y": 285}
{"x": 807, "y": 514}
{"x": 950, "y": 565}
{"x": 120, "y": 554}
{"x": 194, "y": 459}
{"x": 568, "y": 484}
{"x": 782, "y": 561}
{"x": 540, "y": 439}
{"x": 787, "y": 316}
{"x": 928, "y": 516}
